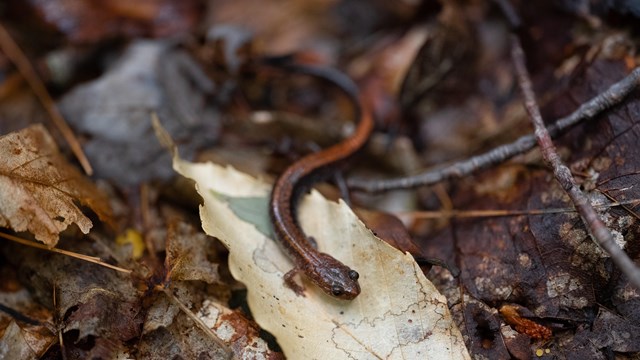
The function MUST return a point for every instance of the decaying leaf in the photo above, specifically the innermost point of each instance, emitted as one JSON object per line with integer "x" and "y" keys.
{"x": 28, "y": 337}
{"x": 113, "y": 111}
{"x": 178, "y": 337}
{"x": 98, "y": 310}
{"x": 235, "y": 329}
{"x": 523, "y": 325}
{"x": 38, "y": 188}
{"x": 549, "y": 263}
{"x": 187, "y": 255}
{"x": 16, "y": 343}
{"x": 399, "y": 313}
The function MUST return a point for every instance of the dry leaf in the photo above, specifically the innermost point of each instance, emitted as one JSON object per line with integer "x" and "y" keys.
{"x": 178, "y": 338}
{"x": 21, "y": 338}
{"x": 38, "y": 188}
{"x": 113, "y": 112}
{"x": 187, "y": 254}
{"x": 233, "y": 328}
{"x": 16, "y": 343}
{"x": 98, "y": 310}
{"x": 399, "y": 313}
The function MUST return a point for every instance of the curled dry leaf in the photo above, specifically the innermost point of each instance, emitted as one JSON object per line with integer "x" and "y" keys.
{"x": 39, "y": 188}
{"x": 399, "y": 313}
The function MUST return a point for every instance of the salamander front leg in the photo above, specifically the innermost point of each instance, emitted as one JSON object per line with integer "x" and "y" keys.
{"x": 290, "y": 281}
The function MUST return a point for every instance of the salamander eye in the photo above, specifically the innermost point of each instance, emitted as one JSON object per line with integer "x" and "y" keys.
{"x": 337, "y": 290}
{"x": 353, "y": 275}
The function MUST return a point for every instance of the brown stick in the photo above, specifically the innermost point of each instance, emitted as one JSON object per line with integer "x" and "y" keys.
{"x": 612, "y": 96}
{"x": 563, "y": 175}
{"x": 13, "y": 52}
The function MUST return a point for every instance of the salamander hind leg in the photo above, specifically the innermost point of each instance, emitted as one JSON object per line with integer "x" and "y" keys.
{"x": 290, "y": 281}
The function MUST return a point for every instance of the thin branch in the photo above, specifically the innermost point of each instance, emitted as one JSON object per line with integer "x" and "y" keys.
{"x": 503, "y": 213}
{"x": 590, "y": 217}
{"x": 612, "y": 96}
{"x": 13, "y": 52}
{"x": 91, "y": 259}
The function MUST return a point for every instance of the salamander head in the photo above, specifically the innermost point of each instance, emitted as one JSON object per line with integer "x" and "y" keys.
{"x": 335, "y": 278}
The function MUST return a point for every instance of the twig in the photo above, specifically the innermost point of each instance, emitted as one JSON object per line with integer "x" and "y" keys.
{"x": 502, "y": 213}
{"x": 612, "y": 96}
{"x": 596, "y": 226}
{"x": 57, "y": 322}
{"x": 17, "y": 315}
{"x": 13, "y": 52}
{"x": 91, "y": 259}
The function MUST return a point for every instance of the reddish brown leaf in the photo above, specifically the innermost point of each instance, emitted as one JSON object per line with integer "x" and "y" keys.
{"x": 523, "y": 325}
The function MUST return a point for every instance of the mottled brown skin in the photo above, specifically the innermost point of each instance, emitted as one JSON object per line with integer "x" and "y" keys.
{"x": 332, "y": 276}
{"x": 329, "y": 274}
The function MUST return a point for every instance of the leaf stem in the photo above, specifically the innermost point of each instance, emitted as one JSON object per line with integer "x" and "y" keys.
{"x": 91, "y": 259}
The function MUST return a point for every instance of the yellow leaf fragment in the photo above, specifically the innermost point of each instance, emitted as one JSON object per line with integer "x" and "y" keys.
{"x": 133, "y": 237}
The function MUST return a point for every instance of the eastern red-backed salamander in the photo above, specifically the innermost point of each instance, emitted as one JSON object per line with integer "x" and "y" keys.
{"x": 332, "y": 276}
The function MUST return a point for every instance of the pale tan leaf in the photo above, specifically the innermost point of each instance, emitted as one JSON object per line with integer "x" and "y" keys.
{"x": 39, "y": 188}
{"x": 398, "y": 315}
{"x": 17, "y": 344}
